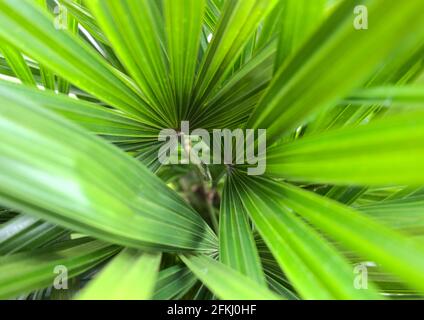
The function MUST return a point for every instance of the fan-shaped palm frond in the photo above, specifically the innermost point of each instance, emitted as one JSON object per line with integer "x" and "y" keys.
{"x": 87, "y": 86}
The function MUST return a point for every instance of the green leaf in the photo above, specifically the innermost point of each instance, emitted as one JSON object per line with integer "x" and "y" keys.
{"x": 72, "y": 25}
{"x": 384, "y": 152}
{"x": 133, "y": 29}
{"x": 7, "y": 214}
{"x": 23, "y": 272}
{"x": 18, "y": 64}
{"x": 315, "y": 268}
{"x": 174, "y": 282}
{"x": 55, "y": 170}
{"x": 90, "y": 31}
{"x": 86, "y": 19}
{"x": 372, "y": 240}
{"x": 238, "y": 20}
{"x": 225, "y": 282}
{"x": 25, "y": 233}
{"x": 137, "y": 283}
{"x": 403, "y": 214}
{"x": 402, "y": 68}
{"x": 5, "y": 69}
{"x": 110, "y": 124}
{"x": 298, "y": 19}
{"x": 270, "y": 27}
{"x": 183, "y": 28}
{"x": 232, "y": 104}
{"x": 310, "y": 81}
{"x": 212, "y": 14}
{"x": 388, "y": 96}
{"x": 47, "y": 77}
{"x": 236, "y": 244}
{"x": 100, "y": 78}
{"x": 96, "y": 119}
{"x": 32, "y": 31}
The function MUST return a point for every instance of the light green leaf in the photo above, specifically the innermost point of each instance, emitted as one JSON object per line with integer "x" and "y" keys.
{"x": 310, "y": 81}
{"x": 133, "y": 29}
{"x": 174, "y": 282}
{"x": 384, "y": 152}
{"x": 313, "y": 265}
{"x": 55, "y": 170}
{"x": 27, "y": 233}
{"x": 32, "y": 31}
{"x": 183, "y": 28}
{"x": 137, "y": 283}
{"x": 238, "y": 20}
{"x": 372, "y": 240}
{"x": 232, "y": 104}
{"x": 96, "y": 119}
{"x": 404, "y": 214}
{"x": 236, "y": 244}
{"x": 226, "y": 282}
{"x": 388, "y": 96}
{"x": 298, "y": 19}
{"x": 18, "y": 64}
{"x": 23, "y": 272}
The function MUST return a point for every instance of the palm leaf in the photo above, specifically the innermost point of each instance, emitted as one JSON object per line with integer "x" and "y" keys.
{"x": 24, "y": 272}
{"x": 138, "y": 282}
{"x": 72, "y": 176}
{"x": 315, "y": 268}
{"x": 304, "y": 82}
{"x": 86, "y": 90}
{"x": 356, "y": 155}
{"x": 224, "y": 281}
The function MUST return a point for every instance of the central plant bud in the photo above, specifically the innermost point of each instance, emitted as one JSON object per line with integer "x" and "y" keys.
{"x": 221, "y": 146}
